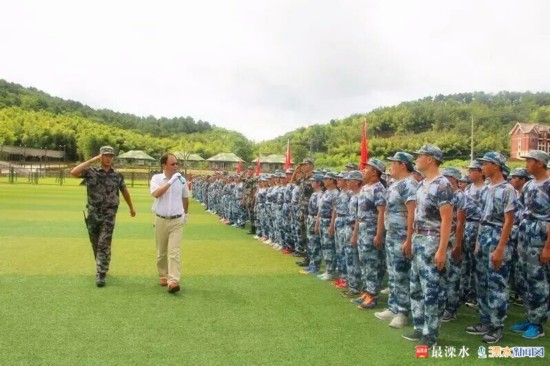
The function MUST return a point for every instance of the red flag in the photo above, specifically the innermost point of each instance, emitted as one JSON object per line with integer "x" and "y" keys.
{"x": 288, "y": 159}
{"x": 258, "y": 167}
{"x": 239, "y": 167}
{"x": 364, "y": 148}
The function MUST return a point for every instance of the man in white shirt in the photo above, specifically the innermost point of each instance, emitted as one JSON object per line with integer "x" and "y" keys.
{"x": 171, "y": 209}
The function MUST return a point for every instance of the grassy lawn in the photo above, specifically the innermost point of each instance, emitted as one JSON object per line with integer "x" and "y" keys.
{"x": 241, "y": 301}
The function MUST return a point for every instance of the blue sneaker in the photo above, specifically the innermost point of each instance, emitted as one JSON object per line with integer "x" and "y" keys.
{"x": 533, "y": 332}
{"x": 520, "y": 327}
{"x": 313, "y": 270}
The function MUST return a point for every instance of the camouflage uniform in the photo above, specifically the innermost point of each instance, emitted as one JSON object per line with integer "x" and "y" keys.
{"x": 297, "y": 218}
{"x": 250, "y": 186}
{"x": 454, "y": 269}
{"x": 103, "y": 189}
{"x": 304, "y": 194}
{"x": 428, "y": 284}
{"x": 340, "y": 227}
{"x": 353, "y": 265}
{"x": 326, "y": 206}
{"x": 313, "y": 240}
{"x": 492, "y": 284}
{"x": 372, "y": 259}
{"x": 288, "y": 239}
{"x": 398, "y": 195}
{"x": 260, "y": 212}
{"x": 533, "y": 233}
{"x": 472, "y": 209}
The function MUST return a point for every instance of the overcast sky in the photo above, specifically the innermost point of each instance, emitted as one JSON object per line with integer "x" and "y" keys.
{"x": 264, "y": 68}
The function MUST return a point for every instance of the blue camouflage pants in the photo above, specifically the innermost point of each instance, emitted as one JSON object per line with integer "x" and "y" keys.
{"x": 428, "y": 286}
{"x": 398, "y": 274}
{"x": 468, "y": 264}
{"x": 353, "y": 266}
{"x": 492, "y": 284}
{"x": 370, "y": 258}
{"x": 533, "y": 236}
{"x": 313, "y": 243}
{"x": 296, "y": 228}
{"x": 340, "y": 242}
{"x": 327, "y": 246}
{"x": 454, "y": 279}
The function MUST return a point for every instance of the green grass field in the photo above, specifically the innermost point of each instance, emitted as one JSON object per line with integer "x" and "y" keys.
{"x": 242, "y": 303}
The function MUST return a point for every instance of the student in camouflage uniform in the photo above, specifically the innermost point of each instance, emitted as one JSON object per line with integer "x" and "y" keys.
{"x": 471, "y": 214}
{"x": 432, "y": 228}
{"x": 288, "y": 215}
{"x": 534, "y": 238}
{"x": 518, "y": 178}
{"x": 493, "y": 250}
{"x": 250, "y": 186}
{"x": 368, "y": 233}
{"x": 103, "y": 184}
{"x": 295, "y": 213}
{"x": 400, "y": 205}
{"x": 304, "y": 171}
{"x": 455, "y": 246}
{"x": 313, "y": 239}
{"x": 324, "y": 228}
{"x": 339, "y": 218}
{"x": 351, "y": 254}
{"x": 259, "y": 208}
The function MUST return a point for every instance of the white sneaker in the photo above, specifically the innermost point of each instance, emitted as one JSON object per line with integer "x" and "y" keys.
{"x": 398, "y": 321}
{"x": 256, "y": 237}
{"x": 387, "y": 315}
{"x": 385, "y": 291}
{"x": 326, "y": 277}
{"x": 268, "y": 241}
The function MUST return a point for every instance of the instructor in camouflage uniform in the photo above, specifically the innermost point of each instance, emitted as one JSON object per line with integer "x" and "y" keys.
{"x": 103, "y": 184}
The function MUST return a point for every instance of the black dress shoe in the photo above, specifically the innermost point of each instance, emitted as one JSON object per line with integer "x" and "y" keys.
{"x": 303, "y": 263}
{"x": 100, "y": 279}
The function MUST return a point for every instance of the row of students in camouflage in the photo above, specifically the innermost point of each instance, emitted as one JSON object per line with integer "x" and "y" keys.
{"x": 441, "y": 246}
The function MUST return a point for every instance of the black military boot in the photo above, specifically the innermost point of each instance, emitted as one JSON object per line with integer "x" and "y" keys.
{"x": 100, "y": 279}
{"x": 252, "y": 230}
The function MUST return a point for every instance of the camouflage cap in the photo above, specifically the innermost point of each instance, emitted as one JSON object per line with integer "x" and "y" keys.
{"x": 330, "y": 175}
{"x": 520, "y": 172}
{"x": 342, "y": 174}
{"x": 317, "y": 177}
{"x": 506, "y": 170}
{"x": 494, "y": 157}
{"x": 107, "y": 150}
{"x": 307, "y": 161}
{"x": 377, "y": 164}
{"x": 354, "y": 175}
{"x": 474, "y": 164}
{"x": 452, "y": 172}
{"x": 431, "y": 150}
{"x": 289, "y": 171}
{"x": 539, "y": 155}
{"x": 351, "y": 166}
{"x": 403, "y": 157}
{"x": 465, "y": 179}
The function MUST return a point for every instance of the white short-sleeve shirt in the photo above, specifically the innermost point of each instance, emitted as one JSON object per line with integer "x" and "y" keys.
{"x": 170, "y": 203}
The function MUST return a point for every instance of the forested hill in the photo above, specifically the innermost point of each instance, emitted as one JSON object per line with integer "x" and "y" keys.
{"x": 442, "y": 120}
{"x": 32, "y": 99}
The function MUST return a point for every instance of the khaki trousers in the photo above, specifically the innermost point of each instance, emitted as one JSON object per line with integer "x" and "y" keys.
{"x": 168, "y": 238}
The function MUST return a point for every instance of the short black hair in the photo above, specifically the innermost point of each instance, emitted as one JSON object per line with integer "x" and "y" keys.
{"x": 164, "y": 158}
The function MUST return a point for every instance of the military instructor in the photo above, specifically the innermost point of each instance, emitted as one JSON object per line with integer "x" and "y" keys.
{"x": 103, "y": 184}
